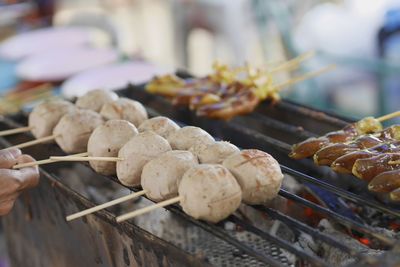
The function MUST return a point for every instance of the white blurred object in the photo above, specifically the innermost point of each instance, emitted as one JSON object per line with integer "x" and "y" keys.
{"x": 349, "y": 29}
{"x": 111, "y": 77}
{"x": 34, "y": 42}
{"x": 60, "y": 64}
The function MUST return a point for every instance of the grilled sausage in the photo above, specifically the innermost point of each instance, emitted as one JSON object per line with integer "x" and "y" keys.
{"x": 136, "y": 153}
{"x": 188, "y": 136}
{"x": 258, "y": 174}
{"x": 209, "y": 192}
{"x": 213, "y": 153}
{"x": 385, "y": 182}
{"x": 106, "y": 140}
{"x": 161, "y": 176}
{"x": 160, "y": 125}
{"x": 124, "y": 109}
{"x": 74, "y": 129}
{"x": 45, "y": 116}
{"x": 368, "y": 168}
{"x": 95, "y": 99}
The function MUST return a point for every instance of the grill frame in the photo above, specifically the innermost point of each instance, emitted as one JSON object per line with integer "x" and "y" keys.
{"x": 233, "y": 128}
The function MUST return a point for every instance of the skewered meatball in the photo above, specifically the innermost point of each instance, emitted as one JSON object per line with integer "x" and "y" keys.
{"x": 258, "y": 174}
{"x": 160, "y": 125}
{"x": 124, "y": 109}
{"x": 209, "y": 192}
{"x": 136, "y": 153}
{"x": 187, "y": 136}
{"x": 162, "y": 175}
{"x": 74, "y": 129}
{"x": 45, "y": 116}
{"x": 215, "y": 152}
{"x": 95, "y": 99}
{"x": 106, "y": 140}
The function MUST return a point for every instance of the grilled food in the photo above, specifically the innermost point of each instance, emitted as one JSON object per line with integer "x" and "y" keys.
{"x": 124, "y": 109}
{"x": 160, "y": 125}
{"x": 95, "y": 99}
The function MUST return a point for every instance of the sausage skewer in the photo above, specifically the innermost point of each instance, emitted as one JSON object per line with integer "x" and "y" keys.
{"x": 309, "y": 147}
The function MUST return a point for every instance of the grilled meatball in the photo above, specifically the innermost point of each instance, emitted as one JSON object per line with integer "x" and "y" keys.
{"x": 162, "y": 175}
{"x": 74, "y": 129}
{"x": 187, "y": 136}
{"x": 136, "y": 153}
{"x": 124, "y": 109}
{"x": 160, "y": 125}
{"x": 215, "y": 152}
{"x": 258, "y": 174}
{"x": 106, "y": 140}
{"x": 45, "y": 116}
{"x": 209, "y": 192}
{"x": 95, "y": 99}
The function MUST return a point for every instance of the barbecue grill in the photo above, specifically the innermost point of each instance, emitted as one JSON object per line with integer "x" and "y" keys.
{"x": 329, "y": 219}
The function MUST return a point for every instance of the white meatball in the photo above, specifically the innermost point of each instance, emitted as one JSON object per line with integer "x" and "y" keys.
{"x": 187, "y": 136}
{"x": 258, "y": 174}
{"x": 125, "y": 109}
{"x": 136, "y": 153}
{"x": 215, "y": 152}
{"x": 162, "y": 175}
{"x": 106, "y": 141}
{"x": 160, "y": 125}
{"x": 95, "y": 99}
{"x": 74, "y": 129}
{"x": 209, "y": 192}
{"x": 45, "y": 116}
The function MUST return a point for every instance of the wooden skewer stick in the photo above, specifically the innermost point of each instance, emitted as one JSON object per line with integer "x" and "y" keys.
{"x": 73, "y": 158}
{"x": 293, "y": 63}
{"x": 135, "y": 213}
{"x": 303, "y": 77}
{"x": 45, "y": 161}
{"x": 105, "y": 205}
{"x": 15, "y": 131}
{"x": 388, "y": 116}
{"x": 35, "y": 142}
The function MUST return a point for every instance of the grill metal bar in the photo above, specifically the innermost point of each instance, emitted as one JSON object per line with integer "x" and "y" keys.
{"x": 343, "y": 193}
{"x": 280, "y": 242}
{"x": 343, "y": 220}
{"x": 218, "y": 232}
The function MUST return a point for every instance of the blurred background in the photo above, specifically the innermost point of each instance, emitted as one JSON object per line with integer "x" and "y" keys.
{"x": 359, "y": 36}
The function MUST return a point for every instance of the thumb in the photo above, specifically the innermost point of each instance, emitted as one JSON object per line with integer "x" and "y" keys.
{"x": 8, "y": 157}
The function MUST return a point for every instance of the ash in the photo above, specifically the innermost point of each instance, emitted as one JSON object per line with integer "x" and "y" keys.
{"x": 334, "y": 256}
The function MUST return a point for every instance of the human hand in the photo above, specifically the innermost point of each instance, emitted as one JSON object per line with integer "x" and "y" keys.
{"x": 13, "y": 182}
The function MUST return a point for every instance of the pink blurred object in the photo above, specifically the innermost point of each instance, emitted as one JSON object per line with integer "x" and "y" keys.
{"x": 60, "y": 64}
{"x": 31, "y": 43}
{"x": 111, "y": 77}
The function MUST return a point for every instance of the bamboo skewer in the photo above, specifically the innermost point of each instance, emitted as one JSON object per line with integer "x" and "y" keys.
{"x": 293, "y": 63}
{"x": 388, "y": 116}
{"x": 15, "y": 131}
{"x": 46, "y": 161}
{"x": 74, "y": 158}
{"x": 35, "y": 142}
{"x": 135, "y": 213}
{"x": 105, "y": 205}
{"x": 303, "y": 77}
